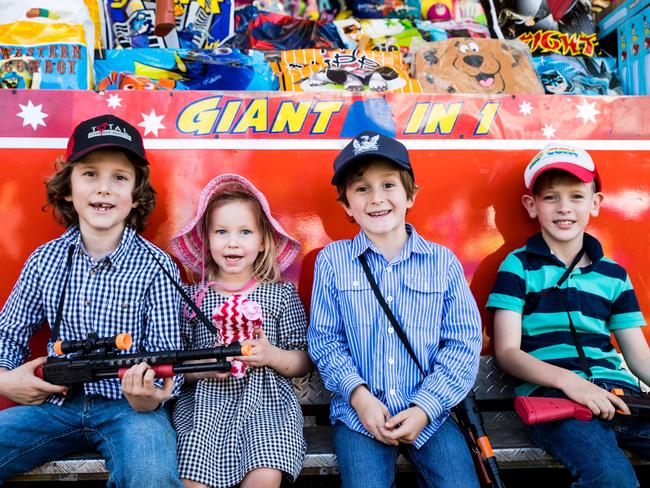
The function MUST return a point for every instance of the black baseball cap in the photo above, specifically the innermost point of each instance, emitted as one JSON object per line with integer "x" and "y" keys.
{"x": 371, "y": 144}
{"x": 105, "y": 131}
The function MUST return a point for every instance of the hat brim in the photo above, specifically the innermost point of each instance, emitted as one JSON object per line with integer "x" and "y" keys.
{"x": 80, "y": 154}
{"x": 187, "y": 245}
{"x": 582, "y": 174}
{"x": 361, "y": 157}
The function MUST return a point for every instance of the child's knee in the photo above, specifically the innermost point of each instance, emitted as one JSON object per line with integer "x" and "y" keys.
{"x": 262, "y": 478}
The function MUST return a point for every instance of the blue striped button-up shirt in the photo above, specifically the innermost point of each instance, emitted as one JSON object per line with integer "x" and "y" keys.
{"x": 125, "y": 291}
{"x": 353, "y": 343}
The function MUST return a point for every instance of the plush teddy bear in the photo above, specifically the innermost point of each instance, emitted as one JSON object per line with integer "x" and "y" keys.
{"x": 236, "y": 320}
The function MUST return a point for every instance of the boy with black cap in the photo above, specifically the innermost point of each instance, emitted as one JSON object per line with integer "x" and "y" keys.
{"x": 99, "y": 276}
{"x": 556, "y": 301}
{"x": 396, "y": 378}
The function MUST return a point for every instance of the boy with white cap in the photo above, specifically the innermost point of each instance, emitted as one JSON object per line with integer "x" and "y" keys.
{"x": 556, "y": 300}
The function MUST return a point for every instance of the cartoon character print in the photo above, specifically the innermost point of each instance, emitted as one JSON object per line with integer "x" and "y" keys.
{"x": 476, "y": 66}
{"x": 236, "y": 320}
{"x": 127, "y": 81}
{"x": 555, "y": 82}
{"x": 378, "y": 79}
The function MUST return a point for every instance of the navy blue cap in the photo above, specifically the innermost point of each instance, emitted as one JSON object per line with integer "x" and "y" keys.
{"x": 105, "y": 131}
{"x": 371, "y": 144}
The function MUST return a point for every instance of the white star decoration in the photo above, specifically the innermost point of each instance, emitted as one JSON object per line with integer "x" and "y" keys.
{"x": 549, "y": 131}
{"x": 587, "y": 112}
{"x": 525, "y": 108}
{"x": 152, "y": 123}
{"x": 114, "y": 101}
{"x": 32, "y": 114}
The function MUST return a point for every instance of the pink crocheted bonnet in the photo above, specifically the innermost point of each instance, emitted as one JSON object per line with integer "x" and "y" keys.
{"x": 187, "y": 245}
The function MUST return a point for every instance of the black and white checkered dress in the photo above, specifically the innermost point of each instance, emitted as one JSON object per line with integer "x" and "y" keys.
{"x": 228, "y": 427}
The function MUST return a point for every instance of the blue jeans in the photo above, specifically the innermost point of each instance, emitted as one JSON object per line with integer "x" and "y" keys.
{"x": 592, "y": 450}
{"x": 139, "y": 448}
{"x": 443, "y": 461}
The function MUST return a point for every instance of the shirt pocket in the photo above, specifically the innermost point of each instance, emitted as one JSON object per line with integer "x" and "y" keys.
{"x": 126, "y": 316}
{"x": 355, "y": 299}
{"x": 423, "y": 300}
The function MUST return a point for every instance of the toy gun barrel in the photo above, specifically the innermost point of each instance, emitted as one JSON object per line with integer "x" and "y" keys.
{"x": 61, "y": 371}
{"x": 471, "y": 421}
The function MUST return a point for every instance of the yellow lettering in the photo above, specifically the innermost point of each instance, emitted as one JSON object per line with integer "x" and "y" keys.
{"x": 255, "y": 117}
{"x": 119, "y": 3}
{"x": 325, "y": 111}
{"x": 199, "y": 117}
{"x": 416, "y": 118}
{"x": 442, "y": 119}
{"x": 486, "y": 117}
{"x": 228, "y": 114}
{"x": 290, "y": 117}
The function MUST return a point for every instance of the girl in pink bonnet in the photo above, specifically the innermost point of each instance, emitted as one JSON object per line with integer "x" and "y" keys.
{"x": 244, "y": 426}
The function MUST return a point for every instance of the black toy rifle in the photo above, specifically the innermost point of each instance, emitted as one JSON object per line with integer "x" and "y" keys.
{"x": 96, "y": 358}
{"x": 470, "y": 421}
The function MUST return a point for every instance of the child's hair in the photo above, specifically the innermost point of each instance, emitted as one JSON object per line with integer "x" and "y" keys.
{"x": 554, "y": 177}
{"x": 59, "y": 186}
{"x": 408, "y": 182}
{"x": 265, "y": 266}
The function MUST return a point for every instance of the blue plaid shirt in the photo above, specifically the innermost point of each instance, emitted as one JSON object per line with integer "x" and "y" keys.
{"x": 353, "y": 343}
{"x": 125, "y": 291}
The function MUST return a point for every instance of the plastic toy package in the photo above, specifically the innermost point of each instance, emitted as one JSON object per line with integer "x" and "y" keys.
{"x": 547, "y": 26}
{"x": 486, "y": 66}
{"x": 578, "y": 75}
{"x": 439, "y": 31}
{"x": 343, "y": 70}
{"x": 48, "y": 44}
{"x": 199, "y": 24}
{"x": 183, "y": 69}
{"x": 270, "y": 31}
{"x": 377, "y": 34}
{"x": 457, "y": 10}
{"x": 381, "y": 9}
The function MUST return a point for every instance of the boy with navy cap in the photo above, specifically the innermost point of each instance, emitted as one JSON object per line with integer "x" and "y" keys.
{"x": 99, "y": 276}
{"x": 386, "y": 399}
{"x": 556, "y": 301}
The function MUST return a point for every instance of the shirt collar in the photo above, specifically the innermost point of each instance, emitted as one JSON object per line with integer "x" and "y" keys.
{"x": 537, "y": 245}
{"x": 414, "y": 244}
{"x": 72, "y": 236}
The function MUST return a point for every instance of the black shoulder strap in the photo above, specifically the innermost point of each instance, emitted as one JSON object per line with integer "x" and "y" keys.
{"x": 389, "y": 313}
{"x": 54, "y": 334}
{"x": 584, "y": 364}
{"x": 185, "y": 296}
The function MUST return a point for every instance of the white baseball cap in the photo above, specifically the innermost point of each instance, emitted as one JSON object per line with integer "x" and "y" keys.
{"x": 574, "y": 160}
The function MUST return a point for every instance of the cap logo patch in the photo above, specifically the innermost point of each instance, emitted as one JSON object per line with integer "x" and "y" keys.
{"x": 365, "y": 143}
{"x": 547, "y": 153}
{"x": 106, "y": 129}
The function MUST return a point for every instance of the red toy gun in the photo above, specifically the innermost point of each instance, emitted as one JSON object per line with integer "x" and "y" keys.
{"x": 535, "y": 410}
{"x": 96, "y": 358}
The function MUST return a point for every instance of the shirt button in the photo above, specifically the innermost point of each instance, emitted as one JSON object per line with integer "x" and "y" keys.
{"x": 391, "y": 361}
{"x": 92, "y": 272}
{"x": 393, "y": 392}
{"x": 86, "y": 302}
{"x": 390, "y": 330}
{"x": 389, "y": 270}
{"x": 355, "y": 283}
{"x": 389, "y": 298}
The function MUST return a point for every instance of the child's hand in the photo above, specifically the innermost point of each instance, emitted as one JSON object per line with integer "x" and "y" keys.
{"x": 263, "y": 353}
{"x": 602, "y": 403}
{"x": 372, "y": 413}
{"x": 141, "y": 392}
{"x": 406, "y": 425}
{"x": 23, "y": 386}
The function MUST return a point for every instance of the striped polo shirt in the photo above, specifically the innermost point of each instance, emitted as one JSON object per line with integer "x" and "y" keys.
{"x": 600, "y": 299}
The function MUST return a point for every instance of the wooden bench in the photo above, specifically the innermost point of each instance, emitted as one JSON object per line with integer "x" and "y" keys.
{"x": 494, "y": 391}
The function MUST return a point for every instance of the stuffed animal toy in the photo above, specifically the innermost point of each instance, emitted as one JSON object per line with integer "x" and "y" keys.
{"x": 236, "y": 320}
